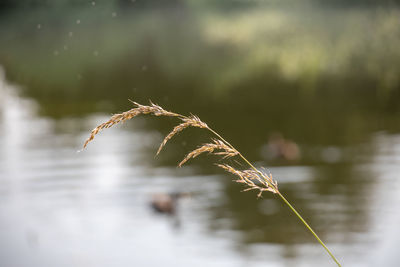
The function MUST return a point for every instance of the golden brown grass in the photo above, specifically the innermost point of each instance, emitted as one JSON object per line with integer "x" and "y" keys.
{"x": 217, "y": 144}
{"x": 191, "y": 121}
{"x": 127, "y": 115}
{"x": 252, "y": 178}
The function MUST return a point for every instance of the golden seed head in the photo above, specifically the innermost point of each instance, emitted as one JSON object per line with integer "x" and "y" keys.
{"x": 127, "y": 115}
{"x": 253, "y": 179}
{"x": 262, "y": 182}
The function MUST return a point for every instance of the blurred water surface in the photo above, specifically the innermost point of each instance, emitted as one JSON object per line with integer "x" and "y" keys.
{"x": 323, "y": 78}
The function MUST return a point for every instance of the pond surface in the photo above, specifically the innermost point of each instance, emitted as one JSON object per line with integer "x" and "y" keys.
{"x": 60, "y": 207}
{"x": 256, "y": 75}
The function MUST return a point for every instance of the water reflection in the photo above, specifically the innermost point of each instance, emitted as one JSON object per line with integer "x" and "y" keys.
{"x": 63, "y": 208}
{"x": 67, "y": 209}
{"x": 326, "y": 81}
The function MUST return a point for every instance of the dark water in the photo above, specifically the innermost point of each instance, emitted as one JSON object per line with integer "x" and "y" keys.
{"x": 326, "y": 79}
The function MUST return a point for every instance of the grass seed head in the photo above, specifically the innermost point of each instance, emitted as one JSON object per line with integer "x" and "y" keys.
{"x": 217, "y": 144}
{"x": 127, "y": 115}
{"x": 252, "y": 179}
{"x": 192, "y": 121}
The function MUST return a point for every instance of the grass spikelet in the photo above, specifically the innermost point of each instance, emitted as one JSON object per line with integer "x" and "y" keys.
{"x": 127, "y": 115}
{"x": 117, "y": 118}
{"x": 175, "y": 131}
{"x": 191, "y": 121}
{"x": 154, "y": 109}
{"x": 210, "y": 148}
{"x": 248, "y": 176}
{"x": 253, "y": 178}
{"x": 227, "y": 152}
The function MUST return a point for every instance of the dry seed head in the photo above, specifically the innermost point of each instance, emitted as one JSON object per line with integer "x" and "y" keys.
{"x": 195, "y": 121}
{"x": 117, "y": 118}
{"x": 204, "y": 148}
{"x": 192, "y": 121}
{"x": 122, "y": 117}
{"x": 265, "y": 182}
{"x": 155, "y": 110}
{"x": 210, "y": 148}
{"x": 227, "y": 151}
{"x": 268, "y": 178}
{"x": 242, "y": 176}
{"x": 230, "y": 169}
{"x": 175, "y": 131}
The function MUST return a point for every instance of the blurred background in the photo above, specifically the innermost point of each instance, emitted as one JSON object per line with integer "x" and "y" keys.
{"x": 309, "y": 89}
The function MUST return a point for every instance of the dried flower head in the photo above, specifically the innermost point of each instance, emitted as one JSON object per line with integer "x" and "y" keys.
{"x": 255, "y": 180}
{"x": 217, "y": 144}
{"x": 192, "y": 121}
{"x": 122, "y": 117}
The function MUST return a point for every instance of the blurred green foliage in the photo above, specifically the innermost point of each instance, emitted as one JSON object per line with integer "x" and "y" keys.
{"x": 316, "y": 74}
{"x": 323, "y": 74}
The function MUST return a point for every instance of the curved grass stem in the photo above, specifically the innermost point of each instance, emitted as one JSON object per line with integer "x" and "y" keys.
{"x": 309, "y": 228}
{"x": 227, "y": 150}
{"x": 282, "y": 197}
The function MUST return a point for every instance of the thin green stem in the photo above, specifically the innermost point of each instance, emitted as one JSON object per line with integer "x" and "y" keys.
{"x": 309, "y": 228}
{"x": 282, "y": 197}
{"x": 277, "y": 191}
{"x": 155, "y": 110}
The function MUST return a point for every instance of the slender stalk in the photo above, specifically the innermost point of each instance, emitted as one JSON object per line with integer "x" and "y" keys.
{"x": 227, "y": 149}
{"x": 282, "y": 197}
{"x": 309, "y": 228}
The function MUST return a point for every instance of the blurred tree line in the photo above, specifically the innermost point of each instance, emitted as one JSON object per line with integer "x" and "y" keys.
{"x": 227, "y": 4}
